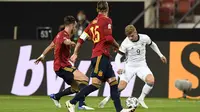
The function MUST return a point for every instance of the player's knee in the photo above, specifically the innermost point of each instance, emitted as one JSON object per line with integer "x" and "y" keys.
{"x": 82, "y": 84}
{"x": 150, "y": 80}
{"x": 122, "y": 85}
{"x": 97, "y": 85}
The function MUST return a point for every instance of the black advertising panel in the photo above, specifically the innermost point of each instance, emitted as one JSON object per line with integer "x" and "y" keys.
{"x": 20, "y": 76}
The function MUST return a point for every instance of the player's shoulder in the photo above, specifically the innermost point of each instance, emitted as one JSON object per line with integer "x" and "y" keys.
{"x": 143, "y": 37}
{"x": 125, "y": 41}
{"x": 62, "y": 35}
{"x": 105, "y": 19}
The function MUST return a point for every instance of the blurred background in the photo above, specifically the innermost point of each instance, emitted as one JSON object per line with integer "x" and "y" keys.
{"x": 28, "y": 26}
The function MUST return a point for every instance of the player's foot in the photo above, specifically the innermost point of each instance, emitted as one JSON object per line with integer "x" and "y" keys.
{"x": 128, "y": 110}
{"x": 56, "y": 102}
{"x": 104, "y": 102}
{"x": 70, "y": 107}
{"x": 84, "y": 107}
{"x": 143, "y": 104}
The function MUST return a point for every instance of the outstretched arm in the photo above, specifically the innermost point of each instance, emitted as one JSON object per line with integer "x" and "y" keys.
{"x": 157, "y": 50}
{"x": 42, "y": 56}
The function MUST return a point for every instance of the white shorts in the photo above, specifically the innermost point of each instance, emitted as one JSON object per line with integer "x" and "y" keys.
{"x": 130, "y": 72}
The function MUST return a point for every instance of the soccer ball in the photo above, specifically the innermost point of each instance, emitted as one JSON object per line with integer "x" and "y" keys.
{"x": 132, "y": 102}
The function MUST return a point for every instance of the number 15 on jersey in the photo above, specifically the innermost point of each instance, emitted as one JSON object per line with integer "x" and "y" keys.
{"x": 95, "y": 34}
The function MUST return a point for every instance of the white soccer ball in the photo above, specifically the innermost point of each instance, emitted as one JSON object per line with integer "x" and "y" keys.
{"x": 132, "y": 102}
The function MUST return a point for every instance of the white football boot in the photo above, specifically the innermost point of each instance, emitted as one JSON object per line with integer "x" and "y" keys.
{"x": 142, "y": 104}
{"x": 70, "y": 107}
{"x": 104, "y": 102}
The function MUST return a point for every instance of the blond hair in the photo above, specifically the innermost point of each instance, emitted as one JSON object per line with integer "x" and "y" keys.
{"x": 129, "y": 29}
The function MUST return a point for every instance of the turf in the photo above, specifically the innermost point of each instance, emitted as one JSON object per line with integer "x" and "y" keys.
{"x": 44, "y": 104}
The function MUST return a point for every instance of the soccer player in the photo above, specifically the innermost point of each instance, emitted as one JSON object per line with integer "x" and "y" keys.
{"x": 100, "y": 31}
{"x": 134, "y": 49}
{"x": 63, "y": 67}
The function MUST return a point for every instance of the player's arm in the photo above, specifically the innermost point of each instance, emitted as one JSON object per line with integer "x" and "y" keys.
{"x": 81, "y": 40}
{"x": 108, "y": 33}
{"x": 45, "y": 52}
{"x": 154, "y": 46}
{"x": 120, "y": 54}
{"x": 69, "y": 42}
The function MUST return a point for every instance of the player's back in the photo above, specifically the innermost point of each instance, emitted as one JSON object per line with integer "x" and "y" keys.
{"x": 98, "y": 29}
{"x": 61, "y": 51}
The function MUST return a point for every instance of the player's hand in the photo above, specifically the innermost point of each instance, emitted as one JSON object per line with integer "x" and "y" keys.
{"x": 73, "y": 44}
{"x": 39, "y": 59}
{"x": 73, "y": 58}
{"x": 115, "y": 49}
{"x": 163, "y": 59}
{"x": 120, "y": 71}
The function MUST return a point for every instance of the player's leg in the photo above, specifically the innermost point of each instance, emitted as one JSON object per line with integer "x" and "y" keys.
{"x": 65, "y": 75}
{"x": 123, "y": 81}
{"x": 83, "y": 93}
{"x": 96, "y": 82}
{"x": 62, "y": 93}
{"x": 82, "y": 81}
{"x": 146, "y": 75}
{"x": 115, "y": 96}
{"x": 114, "y": 91}
{"x": 122, "y": 85}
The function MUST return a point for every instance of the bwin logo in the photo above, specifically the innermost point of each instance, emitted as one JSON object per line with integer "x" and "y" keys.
{"x": 53, "y": 83}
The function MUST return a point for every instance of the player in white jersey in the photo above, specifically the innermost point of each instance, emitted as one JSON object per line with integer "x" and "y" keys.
{"x": 134, "y": 49}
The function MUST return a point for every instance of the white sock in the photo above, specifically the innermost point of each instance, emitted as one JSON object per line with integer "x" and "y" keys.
{"x": 145, "y": 91}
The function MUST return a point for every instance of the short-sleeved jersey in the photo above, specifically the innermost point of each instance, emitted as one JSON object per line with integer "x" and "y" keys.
{"x": 99, "y": 30}
{"x": 135, "y": 52}
{"x": 61, "y": 51}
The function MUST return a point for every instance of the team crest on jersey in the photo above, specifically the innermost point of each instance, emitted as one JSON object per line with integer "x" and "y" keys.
{"x": 109, "y": 26}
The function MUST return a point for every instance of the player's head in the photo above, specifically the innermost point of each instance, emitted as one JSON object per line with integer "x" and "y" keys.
{"x": 70, "y": 23}
{"x": 102, "y": 7}
{"x": 131, "y": 32}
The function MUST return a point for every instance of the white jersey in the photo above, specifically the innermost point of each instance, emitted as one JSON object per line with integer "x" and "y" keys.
{"x": 135, "y": 52}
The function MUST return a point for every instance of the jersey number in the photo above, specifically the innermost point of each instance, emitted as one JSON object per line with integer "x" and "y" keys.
{"x": 95, "y": 34}
{"x": 138, "y": 51}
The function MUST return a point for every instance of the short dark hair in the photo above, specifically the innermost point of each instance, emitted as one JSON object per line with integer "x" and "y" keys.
{"x": 102, "y": 6}
{"x": 69, "y": 20}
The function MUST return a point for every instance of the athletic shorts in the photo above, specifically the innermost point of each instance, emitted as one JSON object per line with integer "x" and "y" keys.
{"x": 102, "y": 68}
{"x": 140, "y": 71}
{"x": 66, "y": 74}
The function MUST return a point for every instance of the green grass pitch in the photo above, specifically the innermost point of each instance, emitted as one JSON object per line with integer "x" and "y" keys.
{"x": 45, "y": 104}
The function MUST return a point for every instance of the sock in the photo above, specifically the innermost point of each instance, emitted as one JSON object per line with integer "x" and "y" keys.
{"x": 82, "y": 100}
{"x": 145, "y": 91}
{"x": 115, "y": 96}
{"x": 67, "y": 91}
{"x": 83, "y": 93}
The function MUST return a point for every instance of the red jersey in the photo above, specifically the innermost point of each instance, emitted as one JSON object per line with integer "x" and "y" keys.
{"x": 100, "y": 31}
{"x": 61, "y": 51}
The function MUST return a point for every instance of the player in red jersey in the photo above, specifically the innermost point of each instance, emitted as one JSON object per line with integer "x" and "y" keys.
{"x": 100, "y": 31}
{"x": 63, "y": 67}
